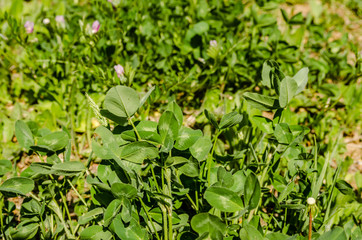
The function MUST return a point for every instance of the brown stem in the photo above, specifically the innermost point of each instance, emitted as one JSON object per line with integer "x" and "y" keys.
{"x": 310, "y": 225}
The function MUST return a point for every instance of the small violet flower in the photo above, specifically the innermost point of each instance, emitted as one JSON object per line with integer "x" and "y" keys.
{"x": 119, "y": 70}
{"x": 29, "y": 27}
{"x": 95, "y": 26}
{"x": 60, "y": 19}
{"x": 46, "y": 21}
{"x": 213, "y": 43}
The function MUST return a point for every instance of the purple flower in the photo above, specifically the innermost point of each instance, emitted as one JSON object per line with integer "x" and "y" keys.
{"x": 119, "y": 70}
{"x": 60, "y": 19}
{"x": 29, "y": 26}
{"x": 213, "y": 43}
{"x": 95, "y": 26}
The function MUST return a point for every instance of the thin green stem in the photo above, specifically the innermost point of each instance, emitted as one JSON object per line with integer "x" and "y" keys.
{"x": 1, "y": 215}
{"x": 135, "y": 129}
{"x": 76, "y": 191}
{"x": 162, "y": 181}
{"x": 154, "y": 178}
{"x": 170, "y": 232}
{"x": 261, "y": 185}
{"x": 72, "y": 120}
{"x": 164, "y": 221}
{"x": 331, "y": 193}
{"x": 89, "y": 160}
{"x": 67, "y": 211}
{"x": 149, "y": 218}
{"x": 56, "y": 209}
{"x": 192, "y": 202}
{"x": 209, "y": 159}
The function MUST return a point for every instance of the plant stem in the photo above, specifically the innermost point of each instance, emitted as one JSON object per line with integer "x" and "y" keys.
{"x": 209, "y": 159}
{"x": 164, "y": 221}
{"x": 76, "y": 191}
{"x": 149, "y": 218}
{"x": 170, "y": 232}
{"x": 192, "y": 202}
{"x": 56, "y": 209}
{"x": 135, "y": 129}
{"x": 1, "y": 216}
{"x": 154, "y": 178}
{"x": 89, "y": 160}
{"x": 310, "y": 225}
{"x": 67, "y": 210}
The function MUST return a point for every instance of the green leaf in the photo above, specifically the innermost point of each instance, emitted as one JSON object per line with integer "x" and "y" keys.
{"x": 223, "y": 199}
{"x": 201, "y": 148}
{"x": 17, "y": 185}
{"x": 224, "y": 178}
{"x": 25, "y": 231}
{"x": 283, "y": 133}
{"x": 16, "y": 9}
{"x": 137, "y": 152}
{"x": 110, "y": 146}
{"x": 190, "y": 169}
{"x": 265, "y": 124}
{"x": 5, "y": 167}
{"x": 156, "y": 215}
{"x": 301, "y": 78}
{"x": 252, "y": 191}
{"x": 207, "y": 223}
{"x": 23, "y": 134}
{"x": 278, "y": 236}
{"x": 168, "y": 128}
{"x": 68, "y": 168}
{"x": 122, "y": 101}
{"x": 201, "y": 27}
{"x": 261, "y": 102}
{"x": 145, "y": 97}
{"x": 41, "y": 168}
{"x": 54, "y": 141}
{"x": 251, "y": 232}
{"x": 265, "y": 74}
{"x": 211, "y": 118}
{"x": 186, "y": 138}
{"x": 112, "y": 210}
{"x": 336, "y": 233}
{"x": 230, "y": 120}
{"x": 239, "y": 182}
{"x": 121, "y": 190}
{"x": 147, "y": 126}
{"x": 119, "y": 120}
{"x": 133, "y": 232}
{"x": 286, "y": 191}
{"x": 345, "y": 188}
{"x": 173, "y": 107}
{"x": 170, "y": 161}
{"x": 95, "y": 232}
{"x": 151, "y": 137}
{"x": 89, "y": 216}
{"x": 288, "y": 88}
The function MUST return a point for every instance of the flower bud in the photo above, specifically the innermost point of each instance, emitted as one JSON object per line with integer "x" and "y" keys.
{"x": 46, "y": 21}
{"x": 60, "y": 19}
{"x": 311, "y": 201}
{"x": 29, "y": 27}
{"x": 95, "y": 26}
{"x": 213, "y": 43}
{"x": 119, "y": 70}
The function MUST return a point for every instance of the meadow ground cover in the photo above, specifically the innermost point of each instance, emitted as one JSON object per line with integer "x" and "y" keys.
{"x": 180, "y": 119}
